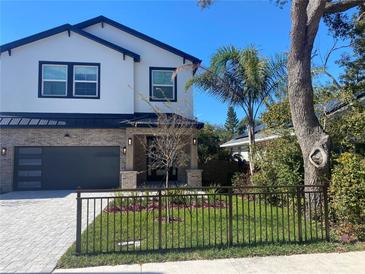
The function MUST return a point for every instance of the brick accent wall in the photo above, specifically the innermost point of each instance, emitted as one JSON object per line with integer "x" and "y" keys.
{"x": 194, "y": 177}
{"x": 53, "y": 137}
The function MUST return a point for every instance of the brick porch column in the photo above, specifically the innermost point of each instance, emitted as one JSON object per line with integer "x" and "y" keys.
{"x": 129, "y": 161}
{"x": 128, "y": 179}
{"x": 129, "y": 176}
{"x": 194, "y": 175}
{"x": 193, "y": 152}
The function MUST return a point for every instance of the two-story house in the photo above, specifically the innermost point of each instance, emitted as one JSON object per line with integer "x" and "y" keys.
{"x": 73, "y": 100}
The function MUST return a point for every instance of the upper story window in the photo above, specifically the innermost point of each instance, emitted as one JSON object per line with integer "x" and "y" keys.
{"x": 85, "y": 81}
{"x": 69, "y": 80}
{"x": 54, "y": 80}
{"x": 163, "y": 84}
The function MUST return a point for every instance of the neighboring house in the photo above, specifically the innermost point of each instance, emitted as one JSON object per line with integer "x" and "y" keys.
{"x": 73, "y": 100}
{"x": 239, "y": 144}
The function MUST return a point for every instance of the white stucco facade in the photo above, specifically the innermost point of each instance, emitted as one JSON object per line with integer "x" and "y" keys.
{"x": 19, "y": 76}
{"x": 124, "y": 83}
{"x": 151, "y": 56}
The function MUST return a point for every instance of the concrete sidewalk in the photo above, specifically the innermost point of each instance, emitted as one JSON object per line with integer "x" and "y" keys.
{"x": 332, "y": 263}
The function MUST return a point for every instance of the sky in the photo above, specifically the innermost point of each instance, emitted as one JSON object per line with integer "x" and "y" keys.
{"x": 181, "y": 24}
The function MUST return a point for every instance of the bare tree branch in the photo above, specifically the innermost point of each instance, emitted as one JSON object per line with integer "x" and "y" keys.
{"x": 335, "y": 82}
{"x": 358, "y": 19}
{"x": 323, "y": 68}
{"x": 340, "y": 6}
{"x": 315, "y": 10}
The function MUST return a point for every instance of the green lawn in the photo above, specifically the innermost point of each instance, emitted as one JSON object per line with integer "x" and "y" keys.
{"x": 258, "y": 228}
{"x": 252, "y": 222}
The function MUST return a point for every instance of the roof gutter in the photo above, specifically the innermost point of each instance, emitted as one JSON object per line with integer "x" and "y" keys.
{"x": 258, "y": 140}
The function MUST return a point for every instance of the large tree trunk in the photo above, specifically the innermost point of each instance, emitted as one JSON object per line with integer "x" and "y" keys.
{"x": 313, "y": 141}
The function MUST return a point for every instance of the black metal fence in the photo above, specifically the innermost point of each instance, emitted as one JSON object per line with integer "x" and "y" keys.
{"x": 186, "y": 218}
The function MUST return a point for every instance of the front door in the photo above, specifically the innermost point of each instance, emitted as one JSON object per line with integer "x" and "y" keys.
{"x": 158, "y": 174}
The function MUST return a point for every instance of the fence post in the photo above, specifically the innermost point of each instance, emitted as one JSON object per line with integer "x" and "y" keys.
{"x": 159, "y": 220}
{"x": 230, "y": 217}
{"x": 326, "y": 221}
{"x": 299, "y": 209}
{"x": 78, "y": 222}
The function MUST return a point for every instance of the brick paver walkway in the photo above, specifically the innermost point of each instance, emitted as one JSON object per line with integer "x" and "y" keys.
{"x": 36, "y": 228}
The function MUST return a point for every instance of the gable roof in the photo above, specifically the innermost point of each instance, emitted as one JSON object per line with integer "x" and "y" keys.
{"x": 103, "y": 19}
{"x": 69, "y": 28}
{"x": 243, "y": 138}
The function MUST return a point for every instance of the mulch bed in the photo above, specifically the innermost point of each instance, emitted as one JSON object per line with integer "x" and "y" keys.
{"x": 152, "y": 205}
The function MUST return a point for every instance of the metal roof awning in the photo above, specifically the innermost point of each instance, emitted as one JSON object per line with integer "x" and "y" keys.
{"x": 69, "y": 120}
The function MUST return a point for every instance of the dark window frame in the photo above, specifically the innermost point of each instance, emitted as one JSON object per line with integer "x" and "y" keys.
{"x": 175, "y": 85}
{"x": 70, "y": 79}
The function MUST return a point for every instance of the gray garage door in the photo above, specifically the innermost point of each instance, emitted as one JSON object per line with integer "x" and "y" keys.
{"x": 66, "y": 167}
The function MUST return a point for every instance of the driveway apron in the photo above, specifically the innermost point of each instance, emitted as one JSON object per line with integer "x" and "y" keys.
{"x": 36, "y": 228}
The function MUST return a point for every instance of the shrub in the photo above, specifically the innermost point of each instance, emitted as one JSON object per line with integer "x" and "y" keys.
{"x": 240, "y": 180}
{"x": 347, "y": 196}
{"x": 279, "y": 162}
{"x": 348, "y": 130}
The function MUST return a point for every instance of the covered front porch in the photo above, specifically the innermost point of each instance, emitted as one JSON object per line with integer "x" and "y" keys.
{"x": 139, "y": 174}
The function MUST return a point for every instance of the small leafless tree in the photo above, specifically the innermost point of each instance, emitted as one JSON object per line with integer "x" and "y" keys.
{"x": 167, "y": 148}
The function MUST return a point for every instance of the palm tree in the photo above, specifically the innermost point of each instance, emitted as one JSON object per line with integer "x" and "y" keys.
{"x": 243, "y": 78}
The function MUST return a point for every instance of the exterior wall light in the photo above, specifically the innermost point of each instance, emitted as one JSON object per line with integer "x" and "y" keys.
{"x": 124, "y": 150}
{"x": 194, "y": 141}
{"x": 3, "y": 151}
{"x": 129, "y": 141}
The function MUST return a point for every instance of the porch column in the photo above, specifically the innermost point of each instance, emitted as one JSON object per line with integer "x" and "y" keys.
{"x": 129, "y": 179}
{"x": 129, "y": 176}
{"x": 194, "y": 175}
{"x": 129, "y": 161}
{"x": 194, "y": 152}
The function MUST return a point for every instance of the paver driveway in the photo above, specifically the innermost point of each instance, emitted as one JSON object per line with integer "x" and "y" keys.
{"x": 36, "y": 228}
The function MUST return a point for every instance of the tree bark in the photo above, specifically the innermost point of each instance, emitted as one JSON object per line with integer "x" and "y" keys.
{"x": 251, "y": 141}
{"x": 339, "y": 6}
{"x": 251, "y": 137}
{"x": 313, "y": 141}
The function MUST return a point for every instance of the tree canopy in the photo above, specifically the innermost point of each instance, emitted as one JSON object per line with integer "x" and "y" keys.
{"x": 231, "y": 121}
{"x": 243, "y": 78}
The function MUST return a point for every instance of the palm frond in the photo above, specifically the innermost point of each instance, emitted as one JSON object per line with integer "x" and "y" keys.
{"x": 241, "y": 77}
